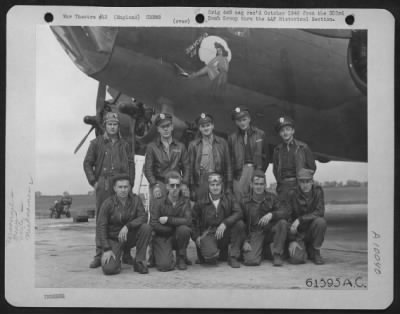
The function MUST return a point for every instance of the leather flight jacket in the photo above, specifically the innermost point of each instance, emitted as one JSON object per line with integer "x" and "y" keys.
{"x": 157, "y": 162}
{"x": 221, "y": 159}
{"x": 94, "y": 166}
{"x": 258, "y": 146}
{"x": 207, "y": 218}
{"x": 303, "y": 156}
{"x": 114, "y": 216}
{"x": 305, "y": 208}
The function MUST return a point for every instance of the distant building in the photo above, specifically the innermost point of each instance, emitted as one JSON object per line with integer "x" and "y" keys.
{"x": 353, "y": 183}
{"x": 38, "y": 194}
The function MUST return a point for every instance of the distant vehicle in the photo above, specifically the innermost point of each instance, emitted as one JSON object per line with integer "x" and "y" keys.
{"x": 61, "y": 207}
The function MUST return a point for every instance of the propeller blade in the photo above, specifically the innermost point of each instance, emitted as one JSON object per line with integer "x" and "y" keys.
{"x": 101, "y": 97}
{"x": 83, "y": 140}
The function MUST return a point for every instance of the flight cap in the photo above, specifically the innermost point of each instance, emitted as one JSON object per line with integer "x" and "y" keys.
{"x": 111, "y": 117}
{"x": 240, "y": 112}
{"x": 283, "y": 121}
{"x": 120, "y": 176}
{"x": 305, "y": 174}
{"x": 258, "y": 174}
{"x": 204, "y": 118}
{"x": 163, "y": 118}
{"x": 214, "y": 178}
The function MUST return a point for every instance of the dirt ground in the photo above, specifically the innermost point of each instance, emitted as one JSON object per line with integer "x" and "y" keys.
{"x": 64, "y": 250}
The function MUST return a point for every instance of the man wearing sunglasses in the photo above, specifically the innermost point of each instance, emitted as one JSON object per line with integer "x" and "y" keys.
{"x": 163, "y": 155}
{"x": 171, "y": 219}
{"x": 217, "y": 224}
{"x": 307, "y": 223}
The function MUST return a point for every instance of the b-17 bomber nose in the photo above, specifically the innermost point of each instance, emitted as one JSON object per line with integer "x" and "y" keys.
{"x": 90, "y": 48}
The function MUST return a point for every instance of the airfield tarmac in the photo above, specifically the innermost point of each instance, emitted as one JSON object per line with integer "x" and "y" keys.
{"x": 63, "y": 251}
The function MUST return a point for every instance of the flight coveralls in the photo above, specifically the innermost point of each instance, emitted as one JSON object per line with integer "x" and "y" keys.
{"x": 174, "y": 234}
{"x": 220, "y": 163}
{"x": 207, "y": 218}
{"x": 158, "y": 162}
{"x": 103, "y": 160}
{"x": 246, "y": 157}
{"x": 310, "y": 211}
{"x": 113, "y": 217}
{"x": 275, "y": 231}
{"x": 287, "y": 161}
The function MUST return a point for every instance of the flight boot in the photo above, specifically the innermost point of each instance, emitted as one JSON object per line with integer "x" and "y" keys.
{"x": 234, "y": 262}
{"x": 317, "y": 258}
{"x": 140, "y": 267}
{"x": 96, "y": 262}
{"x": 127, "y": 258}
{"x": 277, "y": 260}
{"x": 181, "y": 263}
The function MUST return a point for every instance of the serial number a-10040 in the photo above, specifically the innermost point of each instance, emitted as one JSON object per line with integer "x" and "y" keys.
{"x": 336, "y": 283}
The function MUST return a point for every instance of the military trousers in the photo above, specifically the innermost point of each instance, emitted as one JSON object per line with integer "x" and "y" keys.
{"x": 274, "y": 233}
{"x": 283, "y": 188}
{"x": 201, "y": 188}
{"x": 309, "y": 235}
{"x": 212, "y": 249}
{"x": 139, "y": 237}
{"x": 241, "y": 186}
{"x": 163, "y": 247}
{"x": 104, "y": 190}
{"x": 152, "y": 198}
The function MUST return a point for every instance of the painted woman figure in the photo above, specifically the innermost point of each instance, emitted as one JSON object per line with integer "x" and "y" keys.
{"x": 217, "y": 70}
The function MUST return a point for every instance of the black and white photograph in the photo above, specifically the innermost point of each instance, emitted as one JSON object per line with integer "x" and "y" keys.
{"x": 230, "y": 160}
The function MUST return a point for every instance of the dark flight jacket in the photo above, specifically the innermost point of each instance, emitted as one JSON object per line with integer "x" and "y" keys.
{"x": 179, "y": 215}
{"x": 303, "y": 155}
{"x": 206, "y": 217}
{"x": 306, "y": 209}
{"x": 258, "y": 146}
{"x": 222, "y": 160}
{"x": 95, "y": 164}
{"x": 157, "y": 162}
{"x": 253, "y": 211}
{"x": 114, "y": 216}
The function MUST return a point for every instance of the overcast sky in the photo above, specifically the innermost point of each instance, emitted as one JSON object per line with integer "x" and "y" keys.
{"x": 64, "y": 96}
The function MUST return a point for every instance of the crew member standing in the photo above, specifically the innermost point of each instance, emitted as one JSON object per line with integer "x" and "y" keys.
{"x": 248, "y": 149}
{"x": 122, "y": 224}
{"x": 289, "y": 157}
{"x": 207, "y": 154}
{"x": 307, "y": 223}
{"x": 171, "y": 219}
{"x": 163, "y": 155}
{"x": 217, "y": 224}
{"x": 107, "y": 155}
{"x": 266, "y": 223}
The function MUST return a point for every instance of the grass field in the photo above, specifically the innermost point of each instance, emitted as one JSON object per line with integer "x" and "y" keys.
{"x": 81, "y": 203}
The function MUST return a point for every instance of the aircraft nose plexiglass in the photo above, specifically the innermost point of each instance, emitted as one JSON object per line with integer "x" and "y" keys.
{"x": 89, "y": 48}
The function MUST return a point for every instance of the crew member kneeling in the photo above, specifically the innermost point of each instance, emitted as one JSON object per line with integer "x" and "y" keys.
{"x": 216, "y": 224}
{"x": 171, "y": 219}
{"x": 266, "y": 221}
{"x": 122, "y": 224}
{"x": 308, "y": 227}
